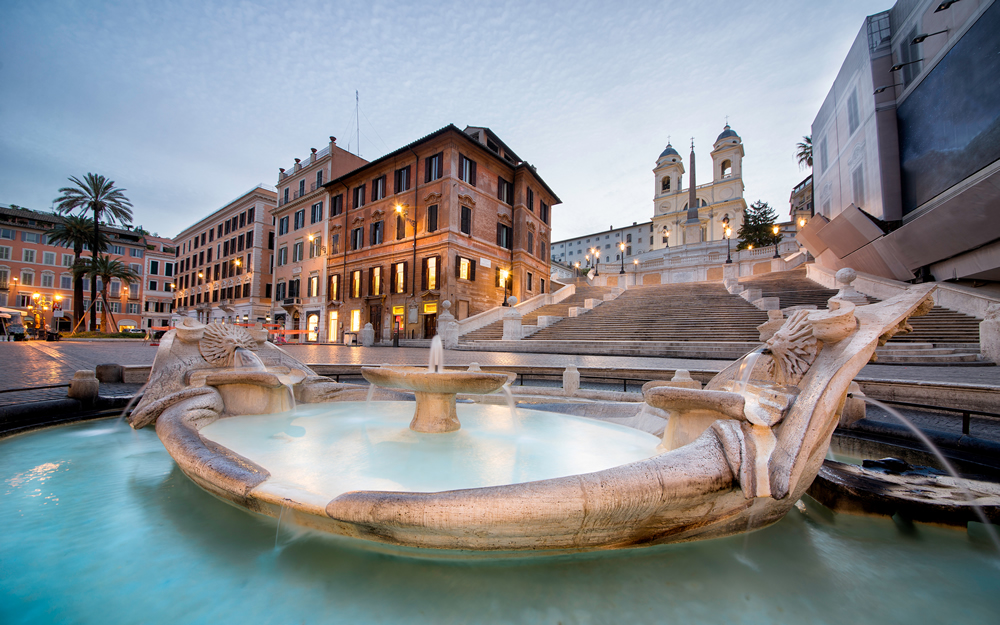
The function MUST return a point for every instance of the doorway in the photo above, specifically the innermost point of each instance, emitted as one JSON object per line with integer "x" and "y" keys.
{"x": 430, "y": 326}
{"x": 375, "y": 318}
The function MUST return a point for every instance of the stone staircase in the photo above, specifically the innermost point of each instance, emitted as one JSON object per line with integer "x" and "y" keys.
{"x": 940, "y": 336}
{"x": 494, "y": 331}
{"x": 690, "y": 312}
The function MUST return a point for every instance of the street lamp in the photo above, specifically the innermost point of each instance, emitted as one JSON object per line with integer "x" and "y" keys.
{"x": 577, "y": 265}
{"x": 666, "y": 236}
{"x": 503, "y": 276}
{"x": 597, "y": 260}
{"x": 729, "y": 234}
{"x": 621, "y": 246}
{"x": 774, "y": 231}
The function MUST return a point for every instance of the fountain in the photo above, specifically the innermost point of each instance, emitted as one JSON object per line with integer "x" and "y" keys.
{"x": 734, "y": 457}
{"x": 98, "y": 517}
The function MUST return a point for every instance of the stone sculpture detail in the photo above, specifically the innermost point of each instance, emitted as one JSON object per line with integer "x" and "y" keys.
{"x": 219, "y": 343}
{"x": 793, "y": 348}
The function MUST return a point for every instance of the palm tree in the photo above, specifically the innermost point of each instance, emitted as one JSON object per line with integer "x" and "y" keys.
{"x": 76, "y": 232}
{"x": 108, "y": 269}
{"x": 805, "y": 153}
{"x": 96, "y": 194}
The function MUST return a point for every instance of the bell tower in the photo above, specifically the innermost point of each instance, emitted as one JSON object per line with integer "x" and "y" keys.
{"x": 668, "y": 177}
{"x": 727, "y": 156}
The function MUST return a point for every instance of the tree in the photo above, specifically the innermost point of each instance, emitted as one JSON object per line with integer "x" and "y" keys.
{"x": 98, "y": 195}
{"x": 108, "y": 269}
{"x": 805, "y": 153}
{"x": 76, "y": 232}
{"x": 757, "y": 229}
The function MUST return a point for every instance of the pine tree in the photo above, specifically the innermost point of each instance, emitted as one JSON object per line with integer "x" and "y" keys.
{"x": 758, "y": 221}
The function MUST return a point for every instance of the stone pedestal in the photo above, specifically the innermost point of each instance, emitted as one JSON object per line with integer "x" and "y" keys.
{"x": 692, "y": 233}
{"x": 751, "y": 294}
{"x": 847, "y": 292}
{"x": 571, "y": 380}
{"x": 368, "y": 335}
{"x": 447, "y": 327}
{"x": 84, "y": 387}
{"x": 989, "y": 334}
{"x": 512, "y": 322}
{"x": 767, "y": 303}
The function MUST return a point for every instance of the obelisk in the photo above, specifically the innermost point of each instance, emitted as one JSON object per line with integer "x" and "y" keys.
{"x": 692, "y": 227}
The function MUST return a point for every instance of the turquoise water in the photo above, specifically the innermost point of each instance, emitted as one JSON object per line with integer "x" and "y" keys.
{"x": 320, "y": 451}
{"x": 100, "y": 527}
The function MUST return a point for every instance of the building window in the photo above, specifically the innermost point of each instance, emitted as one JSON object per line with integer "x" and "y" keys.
{"x": 319, "y": 179}
{"x": 312, "y": 287}
{"x": 378, "y": 188}
{"x": 858, "y": 184}
{"x": 665, "y": 184}
{"x": 726, "y": 170}
{"x": 853, "y": 116}
{"x": 335, "y": 243}
{"x": 432, "y": 167}
{"x": 337, "y": 205}
{"x": 505, "y": 236}
{"x": 312, "y": 327}
{"x": 315, "y": 246}
{"x": 375, "y": 281}
{"x": 357, "y": 238}
{"x": 67, "y": 259}
{"x": 543, "y": 213}
{"x": 430, "y": 273}
{"x": 466, "y": 169}
{"x": 356, "y": 320}
{"x": 282, "y": 256}
{"x": 530, "y": 281}
{"x": 316, "y": 213}
{"x": 402, "y": 179}
{"x": 432, "y": 218}
{"x": 283, "y": 225}
{"x": 333, "y": 288}
{"x": 302, "y": 188}
{"x": 541, "y": 285}
{"x": 300, "y": 219}
{"x": 530, "y": 200}
{"x": 465, "y": 269}
{"x": 531, "y": 242}
{"x": 399, "y": 278}
{"x": 297, "y": 252}
{"x": 466, "y": 220}
{"x": 376, "y": 234}
{"x": 356, "y": 283}
{"x": 48, "y": 279}
{"x": 48, "y": 258}
{"x": 358, "y": 199}
{"x": 281, "y": 291}
{"x": 505, "y": 191}
{"x": 909, "y": 55}
{"x": 66, "y": 282}
{"x": 27, "y": 256}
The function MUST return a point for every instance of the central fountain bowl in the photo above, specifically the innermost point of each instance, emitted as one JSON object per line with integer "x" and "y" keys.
{"x": 435, "y": 392}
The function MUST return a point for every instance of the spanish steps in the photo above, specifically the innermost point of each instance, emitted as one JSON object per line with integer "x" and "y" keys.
{"x": 705, "y": 312}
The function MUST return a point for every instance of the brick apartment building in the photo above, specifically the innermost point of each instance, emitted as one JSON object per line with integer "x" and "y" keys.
{"x": 443, "y": 218}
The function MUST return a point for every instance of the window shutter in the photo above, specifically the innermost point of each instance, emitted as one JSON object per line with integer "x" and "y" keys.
{"x": 437, "y": 272}
{"x": 371, "y": 281}
{"x": 472, "y": 270}
{"x": 423, "y": 274}
{"x": 427, "y": 170}
{"x": 458, "y": 266}
{"x": 499, "y": 230}
{"x": 473, "y": 172}
{"x": 496, "y": 274}
{"x": 406, "y": 274}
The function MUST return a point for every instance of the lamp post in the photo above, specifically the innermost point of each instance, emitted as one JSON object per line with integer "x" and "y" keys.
{"x": 621, "y": 247}
{"x": 666, "y": 237}
{"x": 729, "y": 234}
{"x": 597, "y": 260}
{"x": 774, "y": 231}
{"x": 635, "y": 271}
{"x": 577, "y": 266}
{"x": 504, "y": 274}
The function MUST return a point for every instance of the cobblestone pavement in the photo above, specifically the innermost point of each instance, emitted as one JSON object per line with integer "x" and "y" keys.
{"x": 38, "y": 363}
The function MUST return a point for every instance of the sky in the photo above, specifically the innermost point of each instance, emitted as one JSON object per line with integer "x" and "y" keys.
{"x": 187, "y": 105}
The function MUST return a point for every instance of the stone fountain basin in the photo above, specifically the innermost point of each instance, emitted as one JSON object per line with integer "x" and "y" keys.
{"x": 422, "y": 380}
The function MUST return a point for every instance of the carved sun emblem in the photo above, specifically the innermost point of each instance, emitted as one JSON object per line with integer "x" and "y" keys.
{"x": 220, "y": 343}
{"x": 793, "y": 349}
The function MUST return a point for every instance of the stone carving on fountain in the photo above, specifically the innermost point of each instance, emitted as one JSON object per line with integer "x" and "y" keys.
{"x": 734, "y": 457}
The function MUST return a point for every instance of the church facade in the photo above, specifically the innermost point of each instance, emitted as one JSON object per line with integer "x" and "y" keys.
{"x": 718, "y": 202}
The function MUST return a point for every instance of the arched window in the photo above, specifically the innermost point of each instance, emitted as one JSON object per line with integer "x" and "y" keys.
{"x": 727, "y": 168}
{"x": 703, "y": 203}
{"x": 666, "y": 184}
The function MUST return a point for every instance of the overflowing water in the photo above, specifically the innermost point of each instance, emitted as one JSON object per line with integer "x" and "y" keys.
{"x": 435, "y": 362}
{"x": 746, "y": 369}
{"x": 107, "y": 529}
{"x": 247, "y": 360}
{"x": 929, "y": 444}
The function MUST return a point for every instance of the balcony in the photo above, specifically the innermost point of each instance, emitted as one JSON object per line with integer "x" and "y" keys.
{"x": 226, "y": 305}
{"x": 291, "y": 302}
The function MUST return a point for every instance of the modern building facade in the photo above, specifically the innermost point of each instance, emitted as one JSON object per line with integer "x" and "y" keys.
{"x": 223, "y": 262}
{"x": 907, "y": 147}
{"x": 455, "y": 215}
{"x": 36, "y": 276}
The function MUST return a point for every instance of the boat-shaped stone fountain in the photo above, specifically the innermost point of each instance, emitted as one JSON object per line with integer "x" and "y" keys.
{"x": 733, "y": 458}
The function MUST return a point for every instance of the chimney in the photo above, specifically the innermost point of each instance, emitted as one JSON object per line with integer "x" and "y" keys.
{"x": 298, "y": 164}
{"x": 312, "y": 155}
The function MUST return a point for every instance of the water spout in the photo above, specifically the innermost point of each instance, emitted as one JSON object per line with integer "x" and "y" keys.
{"x": 436, "y": 361}
{"x": 746, "y": 369}
{"x": 246, "y": 359}
{"x": 132, "y": 402}
{"x": 990, "y": 530}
